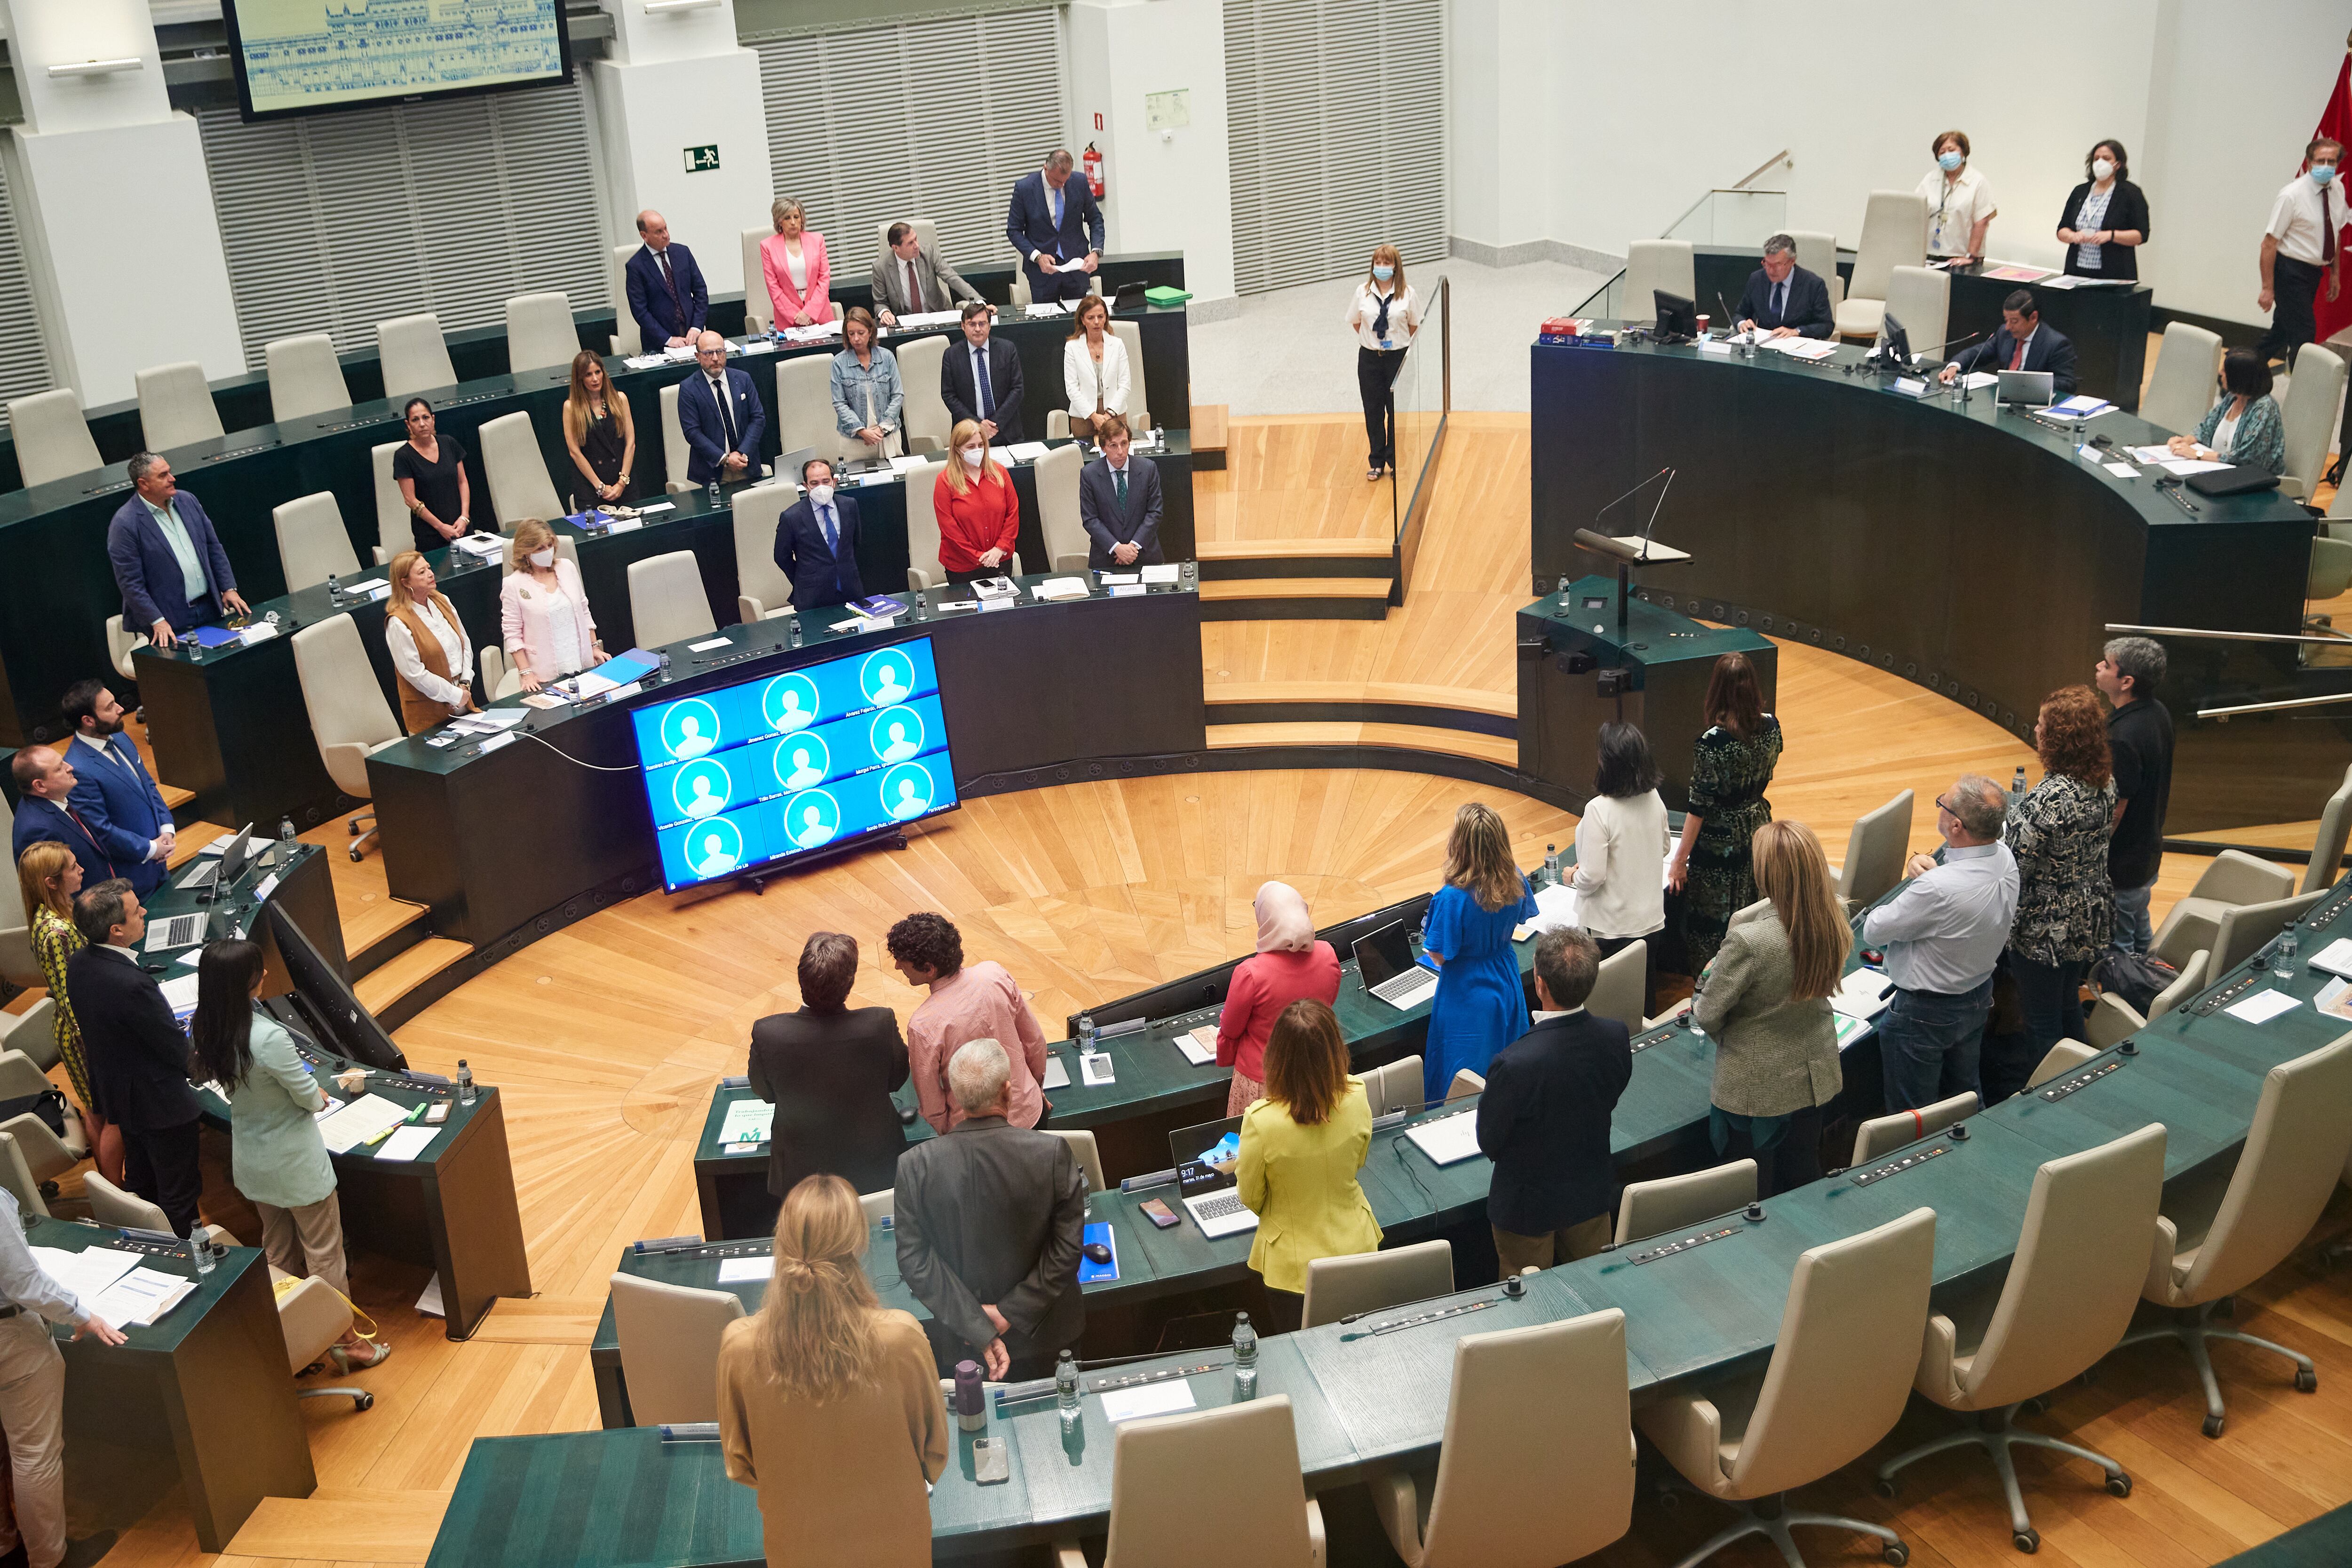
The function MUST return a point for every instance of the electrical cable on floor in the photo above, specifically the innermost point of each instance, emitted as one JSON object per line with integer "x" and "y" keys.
{"x": 575, "y": 762}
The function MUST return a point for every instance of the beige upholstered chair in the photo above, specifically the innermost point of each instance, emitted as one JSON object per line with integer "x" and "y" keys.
{"x": 120, "y": 645}
{"x": 925, "y": 413}
{"x": 1920, "y": 297}
{"x": 394, "y": 533}
{"x": 1620, "y": 988}
{"x": 2246, "y": 927}
{"x": 33, "y": 1033}
{"x": 348, "y": 716}
{"x": 48, "y": 1155}
{"x": 677, "y": 455}
{"x": 111, "y": 1205}
{"x": 1673, "y": 1203}
{"x": 1086, "y": 1152}
{"x": 1839, "y": 1375}
{"x": 2312, "y": 393}
{"x": 500, "y": 677}
{"x": 879, "y": 1206}
{"x": 923, "y": 568}
{"x": 763, "y": 591}
{"x": 313, "y": 1317}
{"x": 1885, "y": 1134}
{"x": 541, "y": 333}
{"x": 2112, "y": 1019}
{"x": 626, "y": 337}
{"x": 665, "y": 599}
{"x": 17, "y": 1177}
{"x": 1654, "y": 265}
{"x": 1057, "y": 509}
{"x": 516, "y": 470}
{"x": 52, "y": 439}
{"x": 1536, "y": 1464}
{"x": 1466, "y": 1084}
{"x": 1244, "y": 1456}
{"x": 305, "y": 377}
{"x": 2068, "y": 1296}
{"x": 17, "y": 965}
{"x": 2059, "y": 1060}
{"x": 1139, "y": 411}
{"x": 759, "y": 310}
{"x": 2335, "y": 829}
{"x": 1396, "y": 1084}
{"x": 926, "y": 234}
{"x": 1754, "y": 911}
{"x": 1816, "y": 253}
{"x": 669, "y": 1348}
{"x": 2220, "y": 1234}
{"x": 176, "y": 406}
{"x": 1893, "y": 234}
{"x": 311, "y": 543}
{"x": 803, "y": 412}
{"x": 414, "y": 355}
{"x": 1339, "y": 1286}
{"x": 2233, "y": 878}
{"x": 1880, "y": 842}
{"x": 2181, "y": 387}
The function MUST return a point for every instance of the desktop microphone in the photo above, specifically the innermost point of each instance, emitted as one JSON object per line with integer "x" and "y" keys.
{"x": 1395, "y": 1114}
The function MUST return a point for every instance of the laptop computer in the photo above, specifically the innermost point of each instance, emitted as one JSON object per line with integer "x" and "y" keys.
{"x": 1205, "y": 1157}
{"x": 1389, "y": 971}
{"x": 1130, "y": 297}
{"x": 224, "y": 868}
{"x": 2027, "y": 388}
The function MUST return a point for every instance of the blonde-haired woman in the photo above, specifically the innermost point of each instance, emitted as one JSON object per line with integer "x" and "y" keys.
{"x": 978, "y": 512}
{"x": 828, "y": 1402}
{"x": 1290, "y": 965}
{"x": 1481, "y": 1006}
{"x": 792, "y": 260}
{"x": 432, "y": 659}
{"x": 598, "y": 430}
{"x": 1095, "y": 370}
{"x": 48, "y": 877}
{"x": 543, "y": 619}
{"x": 1385, "y": 317}
{"x": 1765, "y": 1003}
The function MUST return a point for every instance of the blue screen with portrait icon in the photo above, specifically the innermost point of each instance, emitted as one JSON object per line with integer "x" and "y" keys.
{"x": 764, "y": 773}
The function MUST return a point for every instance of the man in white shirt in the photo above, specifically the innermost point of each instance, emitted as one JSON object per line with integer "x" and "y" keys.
{"x": 33, "y": 1398}
{"x": 2302, "y": 245}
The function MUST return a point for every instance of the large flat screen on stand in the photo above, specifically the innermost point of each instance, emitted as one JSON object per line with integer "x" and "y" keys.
{"x": 300, "y": 56}
{"x": 759, "y": 775}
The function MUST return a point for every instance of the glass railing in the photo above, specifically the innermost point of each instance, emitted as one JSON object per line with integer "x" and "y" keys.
{"x": 1423, "y": 393}
{"x": 1718, "y": 217}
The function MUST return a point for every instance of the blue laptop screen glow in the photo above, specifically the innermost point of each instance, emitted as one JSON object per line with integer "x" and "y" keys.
{"x": 764, "y": 773}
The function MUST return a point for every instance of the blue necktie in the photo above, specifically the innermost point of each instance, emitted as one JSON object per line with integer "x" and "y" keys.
{"x": 1780, "y": 300}
{"x": 980, "y": 383}
{"x": 831, "y": 544}
{"x": 1058, "y": 224}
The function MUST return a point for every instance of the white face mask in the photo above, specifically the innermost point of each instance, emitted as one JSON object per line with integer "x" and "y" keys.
{"x": 973, "y": 455}
{"x": 2101, "y": 168}
{"x": 822, "y": 495}
{"x": 542, "y": 559}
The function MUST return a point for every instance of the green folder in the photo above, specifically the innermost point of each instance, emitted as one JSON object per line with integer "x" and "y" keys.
{"x": 1161, "y": 294}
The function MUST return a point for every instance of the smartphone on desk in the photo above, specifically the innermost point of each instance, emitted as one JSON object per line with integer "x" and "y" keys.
{"x": 438, "y": 1114}
{"x": 1158, "y": 1213}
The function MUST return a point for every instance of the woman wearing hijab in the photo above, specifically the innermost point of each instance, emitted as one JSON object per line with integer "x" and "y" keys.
{"x": 1290, "y": 966}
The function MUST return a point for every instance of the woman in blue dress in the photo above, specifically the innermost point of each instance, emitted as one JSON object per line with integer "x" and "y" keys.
{"x": 1481, "y": 1006}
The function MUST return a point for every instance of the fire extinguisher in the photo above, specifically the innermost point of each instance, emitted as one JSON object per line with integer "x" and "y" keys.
{"x": 1094, "y": 167}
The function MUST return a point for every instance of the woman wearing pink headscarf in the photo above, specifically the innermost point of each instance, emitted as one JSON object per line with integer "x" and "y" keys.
{"x": 1290, "y": 966}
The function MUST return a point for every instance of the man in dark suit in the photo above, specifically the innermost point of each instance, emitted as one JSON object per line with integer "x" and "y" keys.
{"x": 2022, "y": 344}
{"x": 989, "y": 1220}
{"x": 168, "y": 561}
{"x": 993, "y": 398}
{"x": 1544, "y": 1118}
{"x": 113, "y": 795}
{"x": 721, "y": 416}
{"x": 1782, "y": 299}
{"x": 1118, "y": 503}
{"x": 45, "y": 783}
{"x": 829, "y": 1069}
{"x": 1057, "y": 226}
{"x": 136, "y": 1052}
{"x": 816, "y": 541}
{"x": 910, "y": 282}
{"x": 667, "y": 294}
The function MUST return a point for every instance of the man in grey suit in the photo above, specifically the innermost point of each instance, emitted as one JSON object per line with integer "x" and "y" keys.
{"x": 1118, "y": 502}
{"x": 909, "y": 281}
{"x": 989, "y": 1219}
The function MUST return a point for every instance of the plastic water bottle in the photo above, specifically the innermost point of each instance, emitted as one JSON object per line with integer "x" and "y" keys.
{"x": 466, "y": 1094}
{"x": 2017, "y": 786}
{"x": 1563, "y": 590}
{"x": 714, "y": 495}
{"x": 1086, "y": 1033}
{"x": 285, "y": 830}
{"x": 1066, "y": 1388}
{"x": 1551, "y": 865}
{"x": 334, "y": 589}
{"x": 1245, "y": 1358}
{"x": 200, "y": 1249}
{"x": 796, "y": 631}
{"x": 2283, "y": 956}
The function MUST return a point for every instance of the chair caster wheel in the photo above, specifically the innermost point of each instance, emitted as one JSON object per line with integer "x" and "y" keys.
{"x": 356, "y": 856}
{"x": 2213, "y": 1425}
{"x": 2119, "y": 1485}
{"x": 1885, "y": 1488}
{"x": 2036, "y": 1407}
{"x": 2027, "y": 1541}
{"x": 1897, "y": 1553}
{"x": 363, "y": 1402}
{"x": 2306, "y": 1381}
{"x": 353, "y": 828}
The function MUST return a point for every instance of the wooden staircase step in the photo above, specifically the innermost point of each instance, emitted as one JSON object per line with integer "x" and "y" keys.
{"x": 1211, "y": 423}
{"x": 1386, "y": 693}
{"x": 174, "y": 796}
{"x": 1496, "y": 749}
{"x": 1292, "y": 549}
{"x": 350, "y": 1524}
{"x": 192, "y": 839}
{"x": 381, "y": 990}
{"x": 1296, "y": 599}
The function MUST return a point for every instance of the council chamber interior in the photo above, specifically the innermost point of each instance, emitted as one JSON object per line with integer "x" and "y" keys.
{"x": 1504, "y": 782}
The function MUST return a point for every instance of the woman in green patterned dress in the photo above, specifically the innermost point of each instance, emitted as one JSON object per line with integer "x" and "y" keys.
{"x": 1731, "y": 766}
{"x": 48, "y": 876}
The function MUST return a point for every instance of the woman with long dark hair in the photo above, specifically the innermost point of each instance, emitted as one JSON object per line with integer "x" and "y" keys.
{"x": 1731, "y": 767}
{"x": 276, "y": 1156}
{"x": 1301, "y": 1148}
{"x": 1620, "y": 852}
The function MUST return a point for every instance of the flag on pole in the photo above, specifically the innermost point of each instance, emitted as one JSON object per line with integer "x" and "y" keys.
{"x": 2335, "y": 123}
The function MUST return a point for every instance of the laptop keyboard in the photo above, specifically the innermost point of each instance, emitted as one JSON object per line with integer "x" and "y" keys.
{"x": 180, "y": 930}
{"x": 1216, "y": 1205}
{"x": 1397, "y": 987}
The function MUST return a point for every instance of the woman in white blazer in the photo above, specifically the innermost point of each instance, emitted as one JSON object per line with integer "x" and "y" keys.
{"x": 543, "y": 611}
{"x": 1094, "y": 369}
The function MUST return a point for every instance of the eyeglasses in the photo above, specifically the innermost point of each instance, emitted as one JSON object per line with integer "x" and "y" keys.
{"x": 1941, "y": 807}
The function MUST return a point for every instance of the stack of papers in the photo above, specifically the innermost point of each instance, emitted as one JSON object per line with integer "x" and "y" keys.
{"x": 1061, "y": 588}
{"x": 900, "y": 465}
{"x": 645, "y": 362}
{"x": 747, "y": 1124}
{"x": 2015, "y": 272}
{"x": 2083, "y": 407}
{"x": 360, "y": 1120}
{"x": 1556, "y": 909}
{"x": 932, "y": 319}
{"x": 141, "y": 1296}
{"x": 1863, "y": 993}
{"x": 374, "y": 587}
{"x": 811, "y": 335}
{"x": 739, "y": 1271}
{"x": 1801, "y": 348}
{"x": 87, "y": 1273}
{"x": 1159, "y": 575}
{"x": 1050, "y": 307}
{"x": 1199, "y": 1046}
{"x": 407, "y": 1142}
{"x": 1026, "y": 451}
{"x": 2262, "y": 1006}
{"x": 180, "y": 990}
{"x": 488, "y": 546}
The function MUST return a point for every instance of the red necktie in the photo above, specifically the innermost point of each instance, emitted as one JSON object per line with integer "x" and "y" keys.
{"x": 2017, "y": 360}
{"x": 914, "y": 290}
{"x": 677, "y": 305}
{"x": 86, "y": 833}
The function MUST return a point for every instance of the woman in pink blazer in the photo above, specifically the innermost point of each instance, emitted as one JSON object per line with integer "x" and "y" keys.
{"x": 543, "y": 611}
{"x": 794, "y": 261}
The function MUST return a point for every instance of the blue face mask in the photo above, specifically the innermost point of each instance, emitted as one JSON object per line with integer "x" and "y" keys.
{"x": 1950, "y": 160}
{"x": 2322, "y": 173}
{"x": 1384, "y": 273}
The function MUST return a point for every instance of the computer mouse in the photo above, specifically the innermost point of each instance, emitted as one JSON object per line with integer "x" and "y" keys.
{"x": 905, "y": 1116}
{"x": 1096, "y": 1252}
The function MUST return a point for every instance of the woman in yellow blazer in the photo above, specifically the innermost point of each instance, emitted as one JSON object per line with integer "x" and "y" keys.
{"x": 1301, "y": 1148}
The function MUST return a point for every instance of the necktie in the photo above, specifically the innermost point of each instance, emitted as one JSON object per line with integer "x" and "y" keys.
{"x": 1058, "y": 224}
{"x": 1381, "y": 322}
{"x": 1780, "y": 300}
{"x": 832, "y": 535}
{"x": 726, "y": 415}
{"x": 2326, "y": 233}
{"x": 1119, "y": 477}
{"x": 86, "y": 833}
{"x": 2017, "y": 360}
{"x": 914, "y": 290}
{"x": 983, "y": 392}
{"x": 676, "y": 305}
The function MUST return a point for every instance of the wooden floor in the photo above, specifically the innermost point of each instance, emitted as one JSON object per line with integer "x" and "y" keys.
{"x": 607, "y": 1037}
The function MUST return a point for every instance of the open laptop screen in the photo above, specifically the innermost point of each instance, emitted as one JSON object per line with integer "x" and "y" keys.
{"x": 1383, "y": 955}
{"x": 1206, "y": 1156}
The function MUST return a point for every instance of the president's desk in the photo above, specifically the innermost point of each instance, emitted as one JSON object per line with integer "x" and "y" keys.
{"x": 1963, "y": 547}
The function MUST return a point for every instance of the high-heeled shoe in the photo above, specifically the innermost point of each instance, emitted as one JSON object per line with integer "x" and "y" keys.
{"x": 358, "y": 1356}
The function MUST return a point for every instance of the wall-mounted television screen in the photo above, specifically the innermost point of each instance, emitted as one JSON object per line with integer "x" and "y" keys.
{"x": 759, "y": 774}
{"x": 299, "y": 57}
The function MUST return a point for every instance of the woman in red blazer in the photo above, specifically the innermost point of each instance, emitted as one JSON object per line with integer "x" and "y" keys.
{"x": 978, "y": 512}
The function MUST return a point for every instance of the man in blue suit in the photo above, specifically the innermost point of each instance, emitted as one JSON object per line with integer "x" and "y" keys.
{"x": 816, "y": 541}
{"x": 2022, "y": 344}
{"x": 719, "y": 412}
{"x": 1057, "y": 227}
{"x": 667, "y": 294}
{"x": 1119, "y": 504}
{"x": 45, "y": 783}
{"x": 168, "y": 561}
{"x": 1782, "y": 299}
{"x": 113, "y": 794}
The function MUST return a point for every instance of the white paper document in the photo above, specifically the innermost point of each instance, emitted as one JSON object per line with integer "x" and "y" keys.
{"x": 900, "y": 465}
{"x": 1863, "y": 993}
{"x": 1001, "y": 456}
{"x": 1199, "y": 1046}
{"x": 407, "y": 1142}
{"x": 1028, "y": 451}
{"x": 1556, "y": 908}
{"x": 1449, "y": 1140}
{"x": 180, "y": 990}
{"x": 2336, "y": 957}
{"x": 1849, "y": 1029}
{"x": 2182, "y": 468}
{"x": 2122, "y": 471}
{"x": 706, "y": 646}
{"x": 360, "y": 1120}
{"x": 485, "y": 545}
{"x": 2262, "y": 1006}
{"x": 1978, "y": 380}
{"x": 1057, "y": 1072}
{"x": 1151, "y": 1399}
{"x": 1801, "y": 348}
{"x": 141, "y": 1296}
{"x": 736, "y": 1270}
{"x": 1061, "y": 588}
{"x": 1159, "y": 574}
{"x": 86, "y": 1273}
{"x": 747, "y": 1122}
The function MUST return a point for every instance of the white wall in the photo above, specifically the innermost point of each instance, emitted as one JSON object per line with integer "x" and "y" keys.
{"x": 647, "y": 115}
{"x": 1163, "y": 192}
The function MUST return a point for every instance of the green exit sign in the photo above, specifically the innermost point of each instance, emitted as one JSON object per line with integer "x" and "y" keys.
{"x": 699, "y": 159}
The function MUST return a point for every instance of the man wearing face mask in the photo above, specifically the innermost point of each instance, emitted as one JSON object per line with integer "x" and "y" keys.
{"x": 979, "y": 379}
{"x": 816, "y": 541}
{"x": 2302, "y": 245}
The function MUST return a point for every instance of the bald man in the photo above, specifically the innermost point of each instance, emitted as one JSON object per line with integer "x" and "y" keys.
{"x": 667, "y": 294}
{"x": 44, "y": 779}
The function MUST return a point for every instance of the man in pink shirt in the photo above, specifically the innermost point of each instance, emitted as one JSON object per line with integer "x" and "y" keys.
{"x": 976, "y": 1002}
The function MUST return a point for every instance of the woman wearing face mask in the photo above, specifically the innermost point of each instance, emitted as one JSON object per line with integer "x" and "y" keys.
{"x": 1384, "y": 316}
{"x": 2105, "y": 221}
{"x": 1959, "y": 202}
{"x": 543, "y": 611}
{"x": 979, "y": 515}
{"x": 2244, "y": 427}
